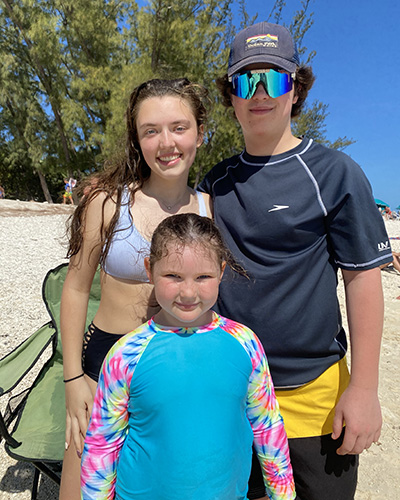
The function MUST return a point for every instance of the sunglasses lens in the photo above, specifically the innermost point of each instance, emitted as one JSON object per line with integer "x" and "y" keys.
{"x": 275, "y": 83}
{"x": 278, "y": 83}
{"x": 241, "y": 86}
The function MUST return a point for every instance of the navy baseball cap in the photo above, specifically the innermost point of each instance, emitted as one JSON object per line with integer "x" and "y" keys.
{"x": 263, "y": 43}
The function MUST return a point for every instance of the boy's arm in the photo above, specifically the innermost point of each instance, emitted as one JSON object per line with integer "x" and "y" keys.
{"x": 270, "y": 440}
{"x": 359, "y": 407}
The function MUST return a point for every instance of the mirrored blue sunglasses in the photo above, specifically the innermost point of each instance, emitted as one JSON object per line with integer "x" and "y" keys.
{"x": 244, "y": 85}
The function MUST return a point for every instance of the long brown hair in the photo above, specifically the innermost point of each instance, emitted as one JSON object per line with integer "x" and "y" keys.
{"x": 129, "y": 170}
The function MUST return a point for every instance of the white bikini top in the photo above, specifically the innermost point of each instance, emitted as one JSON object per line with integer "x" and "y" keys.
{"x": 125, "y": 258}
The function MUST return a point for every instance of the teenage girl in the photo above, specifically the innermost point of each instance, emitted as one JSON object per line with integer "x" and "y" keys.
{"x": 112, "y": 226}
{"x": 181, "y": 398}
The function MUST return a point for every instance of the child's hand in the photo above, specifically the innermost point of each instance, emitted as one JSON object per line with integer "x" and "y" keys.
{"x": 359, "y": 409}
{"x": 79, "y": 402}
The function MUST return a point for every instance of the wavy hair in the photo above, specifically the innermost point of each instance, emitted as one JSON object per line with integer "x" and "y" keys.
{"x": 191, "y": 229}
{"x": 129, "y": 170}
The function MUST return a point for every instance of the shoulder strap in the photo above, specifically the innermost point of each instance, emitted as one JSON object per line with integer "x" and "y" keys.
{"x": 202, "y": 204}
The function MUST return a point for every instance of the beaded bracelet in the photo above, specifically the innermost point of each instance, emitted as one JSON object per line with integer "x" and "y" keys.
{"x": 73, "y": 378}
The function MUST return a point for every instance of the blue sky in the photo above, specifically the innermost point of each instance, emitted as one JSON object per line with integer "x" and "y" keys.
{"x": 358, "y": 71}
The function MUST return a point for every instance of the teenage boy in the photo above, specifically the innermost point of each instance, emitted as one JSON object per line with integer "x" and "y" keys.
{"x": 293, "y": 212}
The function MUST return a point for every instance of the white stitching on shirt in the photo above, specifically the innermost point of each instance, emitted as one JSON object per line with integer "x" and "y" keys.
{"x": 364, "y": 264}
{"x": 314, "y": 181}
{"x": 277, "y": 161}
{"x": 225, "y": 175}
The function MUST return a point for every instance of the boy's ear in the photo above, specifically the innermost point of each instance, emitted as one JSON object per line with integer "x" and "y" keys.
{"x": 296, "y": 95}
{"x": 148, "y": 270}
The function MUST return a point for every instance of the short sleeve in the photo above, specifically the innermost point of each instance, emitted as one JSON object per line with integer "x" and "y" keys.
{"x": 355, "y": 228}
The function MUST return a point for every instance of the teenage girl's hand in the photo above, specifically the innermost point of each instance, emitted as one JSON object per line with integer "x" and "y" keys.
{"x": 79, "y": 402}
{"x": 359, "y": 409}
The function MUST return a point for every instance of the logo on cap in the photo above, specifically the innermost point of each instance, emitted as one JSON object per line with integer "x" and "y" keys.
{"x": 261, "y": 41}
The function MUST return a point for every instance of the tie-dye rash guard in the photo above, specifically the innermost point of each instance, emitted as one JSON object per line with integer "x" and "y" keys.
{"x": 175, "y": 414}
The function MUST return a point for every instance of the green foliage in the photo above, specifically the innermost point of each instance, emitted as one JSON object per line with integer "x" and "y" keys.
{"x": 311, "y": 123}
{"x": 67, "y": 68}
{"x": 60, "y": 60}
{"x": 170, "y": 40}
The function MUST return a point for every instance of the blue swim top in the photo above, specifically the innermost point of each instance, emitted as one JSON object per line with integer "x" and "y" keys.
{"x": 125, "y": 258}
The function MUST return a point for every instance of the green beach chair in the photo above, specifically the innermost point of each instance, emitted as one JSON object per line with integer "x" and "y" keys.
{"x": 33, "y": 424}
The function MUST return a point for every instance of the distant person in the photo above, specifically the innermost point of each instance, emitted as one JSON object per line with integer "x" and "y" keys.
{"x": 68, "y": 186}
{"x": 395, "y": 263}
{"x": 181, "y": 398}
{"x": 289, "y": 210}
{"x": 387, "y": 213}
{"x": 2, "y": 193}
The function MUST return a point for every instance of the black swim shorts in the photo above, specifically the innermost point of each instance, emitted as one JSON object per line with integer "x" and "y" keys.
{"x": 96, "y": 344}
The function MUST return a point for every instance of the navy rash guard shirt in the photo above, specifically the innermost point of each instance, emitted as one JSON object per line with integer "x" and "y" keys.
{"x": 291, "y": 221}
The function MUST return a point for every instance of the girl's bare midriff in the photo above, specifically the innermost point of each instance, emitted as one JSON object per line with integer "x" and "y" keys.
{"x": 124, "y": 304}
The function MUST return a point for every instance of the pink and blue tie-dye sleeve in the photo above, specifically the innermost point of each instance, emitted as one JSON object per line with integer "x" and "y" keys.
{"x": 270, "y": 440}
{"x": 109, "y": 421}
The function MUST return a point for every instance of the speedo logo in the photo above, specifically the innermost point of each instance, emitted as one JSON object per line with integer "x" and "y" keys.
{"x": 278, "y": 207}
{"x": 261, "y": 41}
{"x": 383, "y": 246}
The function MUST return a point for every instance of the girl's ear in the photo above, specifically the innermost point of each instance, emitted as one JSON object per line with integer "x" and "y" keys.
{"x": 223, "y": 266}
{"x": 200, "y": 136}
{"x": 148, "y": 270}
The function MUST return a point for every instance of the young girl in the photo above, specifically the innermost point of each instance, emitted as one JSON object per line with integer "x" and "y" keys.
{"x": 181, "y": 398}
{"x": 112, "y": 226}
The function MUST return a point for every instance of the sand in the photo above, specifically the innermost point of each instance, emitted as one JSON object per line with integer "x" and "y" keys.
{"x": 32, "y": 240}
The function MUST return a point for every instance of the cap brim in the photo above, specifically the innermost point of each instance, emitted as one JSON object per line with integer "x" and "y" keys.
{"x": 263, "y": 59}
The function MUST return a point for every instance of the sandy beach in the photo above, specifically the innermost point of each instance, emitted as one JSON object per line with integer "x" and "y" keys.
{"x": 32, "y": 241}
